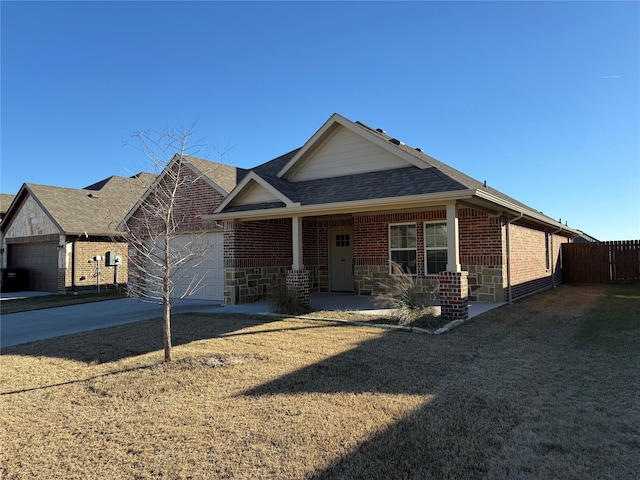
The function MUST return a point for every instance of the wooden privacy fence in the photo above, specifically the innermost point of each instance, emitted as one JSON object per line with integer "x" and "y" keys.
{"x": 601, "y": 262}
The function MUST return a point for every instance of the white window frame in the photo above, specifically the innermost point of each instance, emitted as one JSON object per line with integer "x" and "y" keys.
{"x": 402, "y": 249}
{"x": 444, "y": 248}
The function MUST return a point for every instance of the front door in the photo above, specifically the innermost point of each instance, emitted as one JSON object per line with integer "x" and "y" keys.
{"x": 341, "y": 253}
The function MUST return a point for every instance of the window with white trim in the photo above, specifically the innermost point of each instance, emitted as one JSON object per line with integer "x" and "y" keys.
{"x": 435, "y": 248}
{"x": 403, "y": 248}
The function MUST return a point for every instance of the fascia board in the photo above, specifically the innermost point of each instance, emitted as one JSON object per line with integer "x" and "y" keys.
{"x": 349, "y": 125}
{"x": 253, "y": 176}
{"x": 532, "y": 214}
{"x": 378, "y": 204}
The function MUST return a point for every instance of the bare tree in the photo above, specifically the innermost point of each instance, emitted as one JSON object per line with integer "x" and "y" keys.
{"x": 164, "y": 227}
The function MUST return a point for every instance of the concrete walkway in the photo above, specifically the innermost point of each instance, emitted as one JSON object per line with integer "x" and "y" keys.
{"x": 25, "y": 327}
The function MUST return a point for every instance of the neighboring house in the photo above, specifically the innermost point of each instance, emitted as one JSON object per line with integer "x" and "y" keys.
{"x": 337, "y": 213}
{"x": 585, "y": 238}
{"x": 201, "y": 186}
{"x": 5, "y": 203}
{"x": 52, "y": 234}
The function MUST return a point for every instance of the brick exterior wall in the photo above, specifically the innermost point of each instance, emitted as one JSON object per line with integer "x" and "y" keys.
{"x": 371, "y": 249}
{"x": 256, "y": 258}
{"x": 533, "y": 257}
{"x": 258, "y": 254}
{"x": 482, "y": 254}
{"x": 83, "y": 275}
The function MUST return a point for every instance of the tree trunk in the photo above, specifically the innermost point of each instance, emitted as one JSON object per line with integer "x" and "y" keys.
{"x": 167, "y": 329}
{"x": 166, "y": 303}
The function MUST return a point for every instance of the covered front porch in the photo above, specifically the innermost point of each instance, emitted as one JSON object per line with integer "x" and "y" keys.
{"x": 352, "y": 252}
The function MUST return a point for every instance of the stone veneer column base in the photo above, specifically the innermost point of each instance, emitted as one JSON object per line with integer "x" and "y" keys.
{"x": 298, "y": 282}
{"x": 454, "y": 295}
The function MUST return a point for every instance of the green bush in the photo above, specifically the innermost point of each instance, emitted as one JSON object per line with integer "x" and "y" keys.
{"x": 287, "y": 302}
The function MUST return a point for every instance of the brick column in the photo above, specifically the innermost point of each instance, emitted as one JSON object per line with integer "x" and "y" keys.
{"x": 298, "y": 281}
{"x": 454, "y": 295}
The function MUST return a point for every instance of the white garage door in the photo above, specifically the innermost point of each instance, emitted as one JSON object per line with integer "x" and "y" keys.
{"x": 204, "y": 276}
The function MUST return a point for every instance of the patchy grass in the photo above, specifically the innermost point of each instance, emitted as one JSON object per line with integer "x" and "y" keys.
{"x": 51, "y": 301}
{"x": 515, "y": 393}
{"x": 614, "y": 319}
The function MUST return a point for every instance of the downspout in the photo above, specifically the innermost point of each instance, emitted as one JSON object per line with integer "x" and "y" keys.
{"x": 509, "y": 291}
{"x": 553, "y": 273}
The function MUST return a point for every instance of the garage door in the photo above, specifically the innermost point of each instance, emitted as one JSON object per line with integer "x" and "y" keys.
{"x": 40, "y": 260}
{"x": 205, "y": 275}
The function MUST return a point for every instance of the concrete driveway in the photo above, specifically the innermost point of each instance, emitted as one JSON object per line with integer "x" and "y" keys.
{"x": 25, "y": 327}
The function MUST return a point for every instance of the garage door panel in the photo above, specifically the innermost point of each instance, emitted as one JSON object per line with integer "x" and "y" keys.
{"x": 203, "y": 276}
{"x": 40, "y": 260}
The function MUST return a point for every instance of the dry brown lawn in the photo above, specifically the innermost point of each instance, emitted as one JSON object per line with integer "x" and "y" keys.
{"x": 527, "y": 391}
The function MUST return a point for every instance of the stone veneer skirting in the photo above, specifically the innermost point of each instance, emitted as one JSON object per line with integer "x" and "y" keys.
{"x": 246, "y": 285}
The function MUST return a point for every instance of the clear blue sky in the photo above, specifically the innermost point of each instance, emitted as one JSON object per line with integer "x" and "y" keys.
{"x": 540, "y": 99}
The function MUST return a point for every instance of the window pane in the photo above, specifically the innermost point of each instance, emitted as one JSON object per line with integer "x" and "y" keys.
{"x": 402, "y": 236}
{"x": 436, "y": 261}
{"x": 406, "y": 259}
{"x": 435, "y": 235}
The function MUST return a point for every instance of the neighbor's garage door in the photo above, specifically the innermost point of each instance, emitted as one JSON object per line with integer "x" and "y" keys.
{"x": 40, "y": 260}
{"x": 205, "y": 275}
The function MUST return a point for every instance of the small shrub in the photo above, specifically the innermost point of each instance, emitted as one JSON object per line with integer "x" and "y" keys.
{"x": 287, "y": 302}
{"x": 410, "y": 302}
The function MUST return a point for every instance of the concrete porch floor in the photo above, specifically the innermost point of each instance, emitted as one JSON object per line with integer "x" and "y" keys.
{"x": 346, "y": 301}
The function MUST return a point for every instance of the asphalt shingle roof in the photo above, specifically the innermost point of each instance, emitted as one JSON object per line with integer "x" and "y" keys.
{"x": 5, "y": 201}
{"x": 97, "y": 211}
{"x": 373, "y": 185}
{"x": 225, "y": 176}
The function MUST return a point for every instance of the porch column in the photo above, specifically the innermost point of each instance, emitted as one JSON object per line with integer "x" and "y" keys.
{"x": 453, "y": 284}
{"x": 298, "y": 277}
{"x": 296, "y": 231}
{"x": 453, "y": 241}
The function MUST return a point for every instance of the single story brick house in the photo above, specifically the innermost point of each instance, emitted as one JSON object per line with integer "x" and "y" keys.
{"x": 336, "y": 214}
{"x": 51, "y": 234}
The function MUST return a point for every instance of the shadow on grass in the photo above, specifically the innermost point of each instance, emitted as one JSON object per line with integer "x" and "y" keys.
{"x": 139, "y": 338}
{"x": 453, "y": 434}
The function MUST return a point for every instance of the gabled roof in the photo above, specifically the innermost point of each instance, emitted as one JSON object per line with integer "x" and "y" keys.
{"x": 97, "y": 210}
{"x": 226, "y": 177}
{"x": 333, "y": 124}
{"x": 222, "y": 177}
{"x": 5, "y": 202}
{"x": 419, "y": 178}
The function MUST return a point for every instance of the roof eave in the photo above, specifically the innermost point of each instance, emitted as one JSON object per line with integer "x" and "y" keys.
{"x": 358, "y": 206}
{"x": 531, "y": 215}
